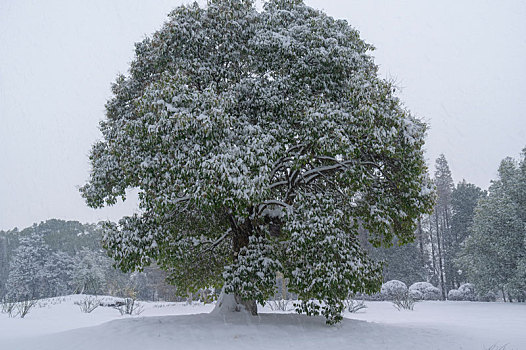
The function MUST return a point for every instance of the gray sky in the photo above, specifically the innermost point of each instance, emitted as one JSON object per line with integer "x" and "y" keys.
{"x": 461, "y": 66}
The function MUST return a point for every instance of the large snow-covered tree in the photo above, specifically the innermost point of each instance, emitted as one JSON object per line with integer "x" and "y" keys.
{"x": 259, "y": 143}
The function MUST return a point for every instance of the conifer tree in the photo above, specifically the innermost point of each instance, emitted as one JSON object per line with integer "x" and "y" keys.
{"x": 441, "y": 219}
{"x": 27, "y": 270}
{"x": 464, "y": 200}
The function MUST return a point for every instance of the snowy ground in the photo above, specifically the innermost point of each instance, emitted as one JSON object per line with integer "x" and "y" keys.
{"x": 432, "y": 325}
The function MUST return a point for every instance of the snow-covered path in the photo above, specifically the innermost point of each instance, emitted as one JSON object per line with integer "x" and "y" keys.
{"x": 432, "y": 325}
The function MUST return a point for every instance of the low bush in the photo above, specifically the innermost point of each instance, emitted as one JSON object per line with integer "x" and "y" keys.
{"x": 130, "y": 307}
{"x": 426, "y": 290}
{"x": 353, "y": 305}
{"x": 416, "y": 294}
{"x": 393, "y": 290}
{"x": 8, "y": 307}
{"x": 88, "y": 304}
{"x": 455, "y": 295}
{"x": 18, "y": 308}
{"x": 466, "y": 292}
{"x": 404, "y": 303}
{"x": 488, "y": 297}
{"x": 280, "y": 305}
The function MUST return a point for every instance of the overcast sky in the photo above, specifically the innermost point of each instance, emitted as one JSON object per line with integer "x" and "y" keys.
{"x": 460, "y": 64}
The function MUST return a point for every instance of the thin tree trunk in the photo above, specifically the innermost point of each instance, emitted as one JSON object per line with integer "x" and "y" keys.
{"x": 448, "y": 280}
{"x": 440, "y": 257}
{"x": 433, "y": 255}
{"x": 421, "y": 243}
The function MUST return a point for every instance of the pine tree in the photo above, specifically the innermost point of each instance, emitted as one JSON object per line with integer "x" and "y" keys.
{"x": 442, "y": 223}
{"x": 89, "y": 272}
{"x": 27, "y": 270}
{"x": 259, "y": 142}
{"x": 59, "y": 273}
{"x": 464, "y": 200}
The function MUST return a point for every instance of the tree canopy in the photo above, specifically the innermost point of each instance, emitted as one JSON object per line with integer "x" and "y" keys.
{"x": 259, "y": 142}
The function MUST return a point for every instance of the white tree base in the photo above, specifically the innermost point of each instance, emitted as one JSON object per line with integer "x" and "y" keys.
{"x": 227, "y": 303}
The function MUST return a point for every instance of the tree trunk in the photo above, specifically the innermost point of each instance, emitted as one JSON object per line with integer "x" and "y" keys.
{"x": 442, "y": 284}
{"x": 433, "y": 255}
{"x": 421, "y": 243}
{"x": 249, "y": 305}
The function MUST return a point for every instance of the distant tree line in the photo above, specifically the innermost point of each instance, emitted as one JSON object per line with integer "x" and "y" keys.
{"x": 59, "y": 257}
{"x": 472, "y": 236}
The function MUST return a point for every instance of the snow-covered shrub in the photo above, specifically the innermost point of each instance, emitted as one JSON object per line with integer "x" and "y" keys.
{"x": 454, "y": 295}
{"x": 130, "y": 307}
{"x": 404, "y": 303}
{"x": 428, "y": 291}
{"x": 415, "y": 294}
{"x": 23, "y": 307}
{"x": 468, "y": 291}
{"x": 394, "y": 290}
{"x": 18, "y": 308}
{"x": 88, "y": 304}
{"x": 280, "y": 305}
{"x": 8, "y": 307}
{"x": 353, "y": 305}
{"x": 488, "y": 297}
{"x": 112, "y": 301}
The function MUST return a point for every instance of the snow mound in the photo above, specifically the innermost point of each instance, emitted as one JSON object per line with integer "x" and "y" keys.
{"x": 59, "y": 324}
{"x": 267, "y": 331}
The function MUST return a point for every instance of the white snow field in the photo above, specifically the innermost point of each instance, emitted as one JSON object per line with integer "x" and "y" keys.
{"x": 432, "y": 325}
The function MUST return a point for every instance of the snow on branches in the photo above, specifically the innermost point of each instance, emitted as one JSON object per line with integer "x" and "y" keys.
{"x": 259, "y": 142}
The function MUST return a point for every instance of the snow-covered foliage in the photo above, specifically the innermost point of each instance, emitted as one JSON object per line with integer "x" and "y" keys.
{"x": 259, "y": 142}
{"x": 89, "y": 274}
{"x": 494, "y": 256}
{"x": 253, "y": 274}
{"x": 454, "y": 295}
{"x": 415, "y": 294}
{"x": 424, "y": 289}
{"x": 394, "y": 290}
{"x": 466, "y": 292}
{"x": 487, "y": 297}
{"x": 28, "y": 273}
